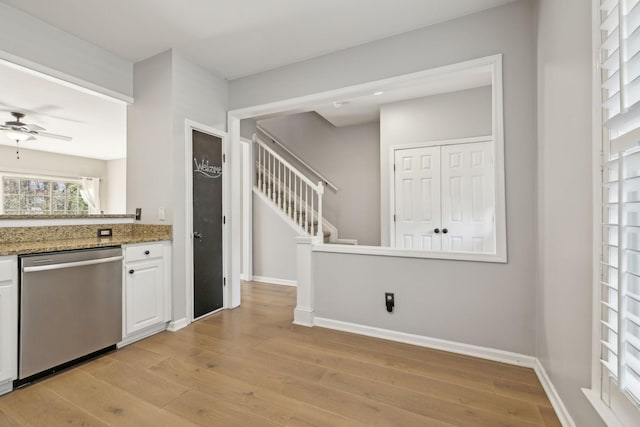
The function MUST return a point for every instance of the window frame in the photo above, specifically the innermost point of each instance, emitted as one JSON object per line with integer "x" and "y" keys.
{"x": 36, "y": 177}
{"x": 613, "y": 405}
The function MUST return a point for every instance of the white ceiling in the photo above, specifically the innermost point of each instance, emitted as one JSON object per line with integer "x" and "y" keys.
{"x": 97, "y": 125}
{"x": 235, "y": 38}
{"x": 366, "y": 109}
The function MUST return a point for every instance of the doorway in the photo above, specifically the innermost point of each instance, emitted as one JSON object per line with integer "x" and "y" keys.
{"x": 208, "y": 222}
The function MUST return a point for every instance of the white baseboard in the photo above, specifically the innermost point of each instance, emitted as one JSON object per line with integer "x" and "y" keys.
{"x": 275, "y": 281}
{"x": 435, "y": 343}
{"x": 460, "y": 348}
{"x": 145, "y": 333}
{"x": 303, "y": 316}
{"x": 176, "y": 325}
{"x": 6, "y": 387}
{"x": 558, "y": 405}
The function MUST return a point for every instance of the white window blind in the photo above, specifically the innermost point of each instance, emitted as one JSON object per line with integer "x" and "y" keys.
{"x": 620, "y": 255}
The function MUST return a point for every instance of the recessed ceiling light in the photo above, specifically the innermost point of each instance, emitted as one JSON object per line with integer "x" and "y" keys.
{"x": 378, "y": 93}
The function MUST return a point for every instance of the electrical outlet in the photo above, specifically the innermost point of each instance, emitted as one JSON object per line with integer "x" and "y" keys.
{"x": 389, "y": 299}
{"x": 105, "y": 232}
{"x": 138, "y": 214}
{"x": 161, "y": 214}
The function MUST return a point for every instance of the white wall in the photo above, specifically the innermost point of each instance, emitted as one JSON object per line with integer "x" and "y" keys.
{"x": 453, "y": 115}
{"x": 115, "y": 187}
{"x": 500, "y": 305}
{"x": 565, "y": 201}
{"x": 347, "y": 156}
{"x": 30, "y": 42}
{"x": 274, "y": 248}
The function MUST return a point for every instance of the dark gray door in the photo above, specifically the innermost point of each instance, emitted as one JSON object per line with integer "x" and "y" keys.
{"x": 207, "y": 223}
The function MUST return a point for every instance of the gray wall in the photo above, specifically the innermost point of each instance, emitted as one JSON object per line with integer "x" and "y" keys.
{"x": 565, "y": 201}
{"x": 30, "y": 42}
{"x": 499, "y": 307}
{"x": 349, "y": 157}
{"x": 168, "y": 90}
{"x": 112, "y": 188}
{"x": 460, "y": 114}
{"x": 149, "y": 143}
{"x": 274, "y": 244}
{"x": 116, "y": 187}
{"x": 198, "y": 95}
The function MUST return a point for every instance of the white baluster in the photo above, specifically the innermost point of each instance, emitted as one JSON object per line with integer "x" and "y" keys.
{"x": 311, "y": 230}
{"x": 279, "y": 184}
{"x": 320, "y": 193}
{"x": 306, "y": 207}
{"x": 295, "y": 198}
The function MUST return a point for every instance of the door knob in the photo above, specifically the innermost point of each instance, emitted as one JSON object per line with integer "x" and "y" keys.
{"x": 436, "y": 230}
{"x": 197, "y": 235}
{"x": 147, "y": 252}
{"x": 131, "y": 271}
{"x": 445, "y": 231}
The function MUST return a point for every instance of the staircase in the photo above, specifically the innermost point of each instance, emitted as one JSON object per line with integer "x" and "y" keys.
{"x": 294, "y": 195}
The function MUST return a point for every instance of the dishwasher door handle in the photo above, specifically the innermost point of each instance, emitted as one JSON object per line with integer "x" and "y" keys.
{"x": 71, "y": 264}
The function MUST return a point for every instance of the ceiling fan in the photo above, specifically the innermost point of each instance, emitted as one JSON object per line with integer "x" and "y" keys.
{"x": 19, "y": 131}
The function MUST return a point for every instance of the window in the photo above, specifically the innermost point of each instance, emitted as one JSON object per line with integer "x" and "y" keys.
{"x": 618, "y": 290}
{"x": 30, "y": 195}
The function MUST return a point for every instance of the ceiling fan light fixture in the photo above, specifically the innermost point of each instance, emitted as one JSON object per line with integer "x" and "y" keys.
{"x": 16, "y": 135}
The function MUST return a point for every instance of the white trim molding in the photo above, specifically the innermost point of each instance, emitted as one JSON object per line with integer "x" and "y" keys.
{"x": 480, "y": 352}
{"x": 230, "y": 291}
{"x": 274, "y": 281}
{"x": 176, "y": 325}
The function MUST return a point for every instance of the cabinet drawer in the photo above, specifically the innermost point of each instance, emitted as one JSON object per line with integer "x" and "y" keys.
{"x": 6, "y": 269}
{"x": 142, "y": 252}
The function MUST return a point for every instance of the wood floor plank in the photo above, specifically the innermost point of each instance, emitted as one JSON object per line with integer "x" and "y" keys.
{"x": 141, "y": 383}
{"x": 36, "y": 406}
{"x": 7, "y": 421}
{"x": 206, "y": 411}
{"x": 227, "y": 389}
{"x": 251, "y": 366}
{"x": 111, "y": 404}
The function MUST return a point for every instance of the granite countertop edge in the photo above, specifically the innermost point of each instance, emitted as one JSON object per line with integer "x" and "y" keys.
{"x": 96, "y": 216}
{"x": 25, "y": 248}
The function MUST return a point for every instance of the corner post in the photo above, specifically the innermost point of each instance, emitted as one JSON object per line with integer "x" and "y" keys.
{"x": 303, "y": 313}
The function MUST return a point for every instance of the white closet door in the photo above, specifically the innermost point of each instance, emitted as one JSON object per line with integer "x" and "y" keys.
{"x": 417, "y": 198}
{"x": 468, "y": 212}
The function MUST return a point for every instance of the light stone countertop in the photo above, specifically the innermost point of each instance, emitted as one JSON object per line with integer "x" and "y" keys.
{"x": 22, "y": 241}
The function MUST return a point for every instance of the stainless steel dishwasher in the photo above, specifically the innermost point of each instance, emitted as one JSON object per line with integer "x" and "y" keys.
{"x": 70, "y": 308}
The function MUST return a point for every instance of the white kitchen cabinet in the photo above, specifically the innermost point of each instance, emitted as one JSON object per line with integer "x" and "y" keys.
{"x": 8, "y": 322}
{"x": 147, "y": 289}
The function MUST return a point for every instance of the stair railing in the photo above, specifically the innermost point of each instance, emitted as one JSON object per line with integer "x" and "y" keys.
{"x": 295, "y": 194}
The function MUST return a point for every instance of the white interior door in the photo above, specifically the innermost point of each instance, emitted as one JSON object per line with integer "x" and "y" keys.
{"x": 468, "y": 197}
{"x": 417, "y": 198}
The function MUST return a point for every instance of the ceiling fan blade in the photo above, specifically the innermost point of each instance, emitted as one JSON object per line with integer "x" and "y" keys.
{"x": 52, "y": 135}
{"x": 34, "y": 127}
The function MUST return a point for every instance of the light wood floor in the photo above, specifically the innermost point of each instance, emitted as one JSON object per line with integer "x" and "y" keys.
{"x": 251, "y": 367}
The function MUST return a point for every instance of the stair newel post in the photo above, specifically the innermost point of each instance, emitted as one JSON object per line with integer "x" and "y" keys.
{"x": 320, "y": 192}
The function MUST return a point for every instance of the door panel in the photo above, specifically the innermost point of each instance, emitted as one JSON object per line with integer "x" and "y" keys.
{"x": 467, "y": 197}
{"x": 417, "y": 198}
{"x": 207, "y": 224}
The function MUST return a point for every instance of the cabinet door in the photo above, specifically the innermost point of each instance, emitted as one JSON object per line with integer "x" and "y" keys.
{"x": 8, "y": 331}
{"x": 144, "y": 295}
